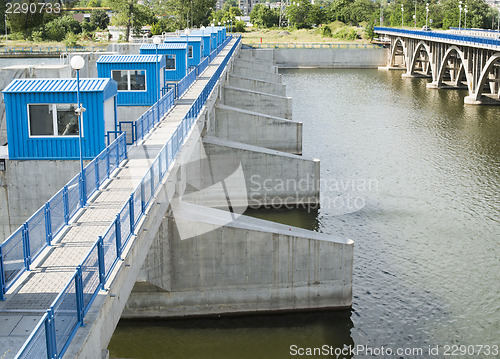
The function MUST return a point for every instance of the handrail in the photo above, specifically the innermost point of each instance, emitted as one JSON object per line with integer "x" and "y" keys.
{"x": 107, "y": 250}
{"x": 51, "y": 49}
{"x": 23, "y": 246}
{"x": 314, "y": 45}
{"x": 440, "y": 36}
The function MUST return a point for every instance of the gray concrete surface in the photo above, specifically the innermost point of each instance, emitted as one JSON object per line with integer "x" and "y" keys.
{"x": 248, "y": 265}
{"x": 271, "y": 105}
{"x": 259, "y": 75}
{"x": 330, "y": 58}
{"x": 257, "y": 85}
{"x": 272, "y": 178}
{"x": 257, "y": 129}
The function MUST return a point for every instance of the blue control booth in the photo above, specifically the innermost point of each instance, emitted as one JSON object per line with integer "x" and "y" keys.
{"x": 140, "y": 78}
{"x": 194, "y": 47}
{"x": 42, "y": 123}
{"x": 175, "y": 58}
{"x": 205, "y": 38}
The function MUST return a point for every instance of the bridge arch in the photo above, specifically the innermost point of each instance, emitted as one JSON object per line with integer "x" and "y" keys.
{"x": 398, "y": 41}
{"x": 484, "y": 74}
{"x": 418, "y": 48}
{"x": 464, "y": 67}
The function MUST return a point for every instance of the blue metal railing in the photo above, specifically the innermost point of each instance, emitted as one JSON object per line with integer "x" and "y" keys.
{"x": 52, "y": 49}
{"x": 440, "y": 36}
{"x": 53, "y": 335}
{"x": 21, "y": 248}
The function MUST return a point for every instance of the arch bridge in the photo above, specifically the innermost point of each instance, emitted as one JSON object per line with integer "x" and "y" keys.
{"x": 453, "y": 61}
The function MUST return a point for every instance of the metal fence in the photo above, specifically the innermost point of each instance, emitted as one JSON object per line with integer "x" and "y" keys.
{"x": 313, "y": 46}
{"x": 51, "y": 49}
{"x": 442, "y": 36}
{"x": 54, "y": 332}
{"x": 21, "y": 248}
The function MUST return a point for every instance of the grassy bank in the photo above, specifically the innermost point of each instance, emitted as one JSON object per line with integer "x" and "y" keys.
{"x": 337, "y": 33}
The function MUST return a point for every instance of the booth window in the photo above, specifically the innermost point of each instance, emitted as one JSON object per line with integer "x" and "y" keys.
{"x": 170, "y": 62}
{"x": 52, "y": 120}
{"x": 130, "y": 80}
{"x": 190, "y": 51}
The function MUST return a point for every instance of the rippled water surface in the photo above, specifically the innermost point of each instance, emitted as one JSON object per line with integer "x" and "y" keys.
{"x": 412, "y": 176}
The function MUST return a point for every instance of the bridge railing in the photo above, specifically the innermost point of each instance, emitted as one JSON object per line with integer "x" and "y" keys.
{"x": 23, "y": 246}
{"x": 313, "y": 46}
{"x": 442, "y": 36}
{"x": 56, "y": 329}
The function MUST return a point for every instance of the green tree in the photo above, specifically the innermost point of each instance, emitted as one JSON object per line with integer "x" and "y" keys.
{"x": 99, "y": 19}
{"x": 190, "y": 13}
{"x": 230, "y": 4}
{"x": 298, "y": 14}
{"x": 57, "y": 29}
{"x": 130, "y": 14}
{"x": 263, "y": 16}
{"x": 24, "y": 23}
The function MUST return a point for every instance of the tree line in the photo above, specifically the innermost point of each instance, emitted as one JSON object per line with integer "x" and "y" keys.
{"x": 443, "y": 13}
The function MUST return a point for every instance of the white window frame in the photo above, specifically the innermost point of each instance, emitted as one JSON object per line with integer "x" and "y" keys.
{"x": 128, "y": 80}
{"x": 54, "y": 121}
{"x": 175, "y": 62}
{"x": 192, "y": 51}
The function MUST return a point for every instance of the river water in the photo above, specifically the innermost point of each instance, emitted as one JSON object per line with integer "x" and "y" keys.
{"x": 412, "y": 176}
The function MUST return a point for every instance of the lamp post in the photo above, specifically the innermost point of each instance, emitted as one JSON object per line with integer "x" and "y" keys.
{"x": 460, "y": 16}
{"x": 426, "y": 14}
{"x": 157, "y": 41}
{"x": 5, "y": 18}
{"x": 231, "y": 26}
{"x": 402, "y": 18}
{"x": 381, "y": 15}
{"x": 415, "y": 15}
{"x": 77, "y": 63}
{"x": 465, "y": 16}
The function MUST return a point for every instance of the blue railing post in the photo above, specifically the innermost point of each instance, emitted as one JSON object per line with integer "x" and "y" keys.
{"x": 83, "y": 192}
{"x": 50, "y": 335}
{"x": 152, "y": 176}
{"x": 132, "y": 216}
{"x": 118, "y": 236}
{"x": 79, "y": 294}
{"x": 117, "y": 155}
{"x": 143, "y": 202}
{"x": 97, "y": 173}
{"x": 2, "y": 277}
{"x": 26, "y": 246}
{"x": 66, "y": 205}
{"x": 107, "y": 162}
{"x": 100, "y": 258}
{"x": 48, "y": 224}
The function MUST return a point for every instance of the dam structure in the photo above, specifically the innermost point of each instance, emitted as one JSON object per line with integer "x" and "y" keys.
{"x": 156, "y": 228}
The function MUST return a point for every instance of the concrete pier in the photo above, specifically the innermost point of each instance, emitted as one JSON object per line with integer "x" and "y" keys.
{"x": 249, "y": 265}
{"x": 257, "y": 129}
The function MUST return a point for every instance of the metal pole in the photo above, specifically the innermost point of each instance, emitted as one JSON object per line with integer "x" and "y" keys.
{"x": 5, "y": 16}
{"x": 157, "y": 76}
{"x": 402, "y": 18}
{"x": 426, "y": 15}
{"x": 460, "y": 16}
{"x": 79, "y": 118}
{"x": 415, "y": 20}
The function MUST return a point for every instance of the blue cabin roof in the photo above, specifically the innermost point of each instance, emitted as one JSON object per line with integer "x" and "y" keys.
{"x": 128, "y": 59}
{"x": 165, "y": 46}
{"x": 182, "y": 39}
{"x": 60, "y": 85}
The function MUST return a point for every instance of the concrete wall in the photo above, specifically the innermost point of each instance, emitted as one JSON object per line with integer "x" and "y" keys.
{"x": 271, "y": 177}
{"x": 330, "y": 58}
{"x": 257, "y": 129}
{"x": 257, "y": 66}
{"x": 257, "y": 85}
{"x": 259, "y": 75}
{"x": 266, "y": 55}
{"x": 248, "y": 265}
{"x": 26, "y": 185}
{"x": 271, "y": 105}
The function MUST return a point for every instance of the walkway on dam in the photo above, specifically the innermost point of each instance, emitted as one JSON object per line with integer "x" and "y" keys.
{"x": 23, "y": 309}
